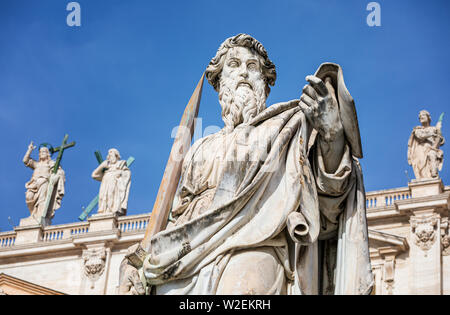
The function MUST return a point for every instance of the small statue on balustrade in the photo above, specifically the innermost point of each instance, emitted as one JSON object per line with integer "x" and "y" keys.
{"x": 115, "y": 178}
{"x": 424, "y": 153}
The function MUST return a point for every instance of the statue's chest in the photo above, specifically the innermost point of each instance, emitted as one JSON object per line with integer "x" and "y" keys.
{"x": 226, "y": 158}
{"x": 427, "y": 133}
{"x": 42, "y": 170}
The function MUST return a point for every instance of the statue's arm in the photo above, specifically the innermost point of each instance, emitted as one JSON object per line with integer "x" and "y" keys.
{"x": 410, "y": 148}
{"x": 97, "y": 174}
{"x": 320, "y": 105}
{"x": 27, "y": 160}
{"x": 331, "y": 154}
{"x": 332, "y": 151}
{"x": 424, "y": 134}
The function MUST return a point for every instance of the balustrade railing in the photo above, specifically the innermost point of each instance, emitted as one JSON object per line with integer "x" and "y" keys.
{"x": 7, "y": 239}
{"x": 385, "y": 198}
{"x": 133, "y": 223}
{"x": 53, "y": 235}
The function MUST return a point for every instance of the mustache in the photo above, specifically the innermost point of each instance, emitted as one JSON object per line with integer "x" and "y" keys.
{"x": 244, "y": 82}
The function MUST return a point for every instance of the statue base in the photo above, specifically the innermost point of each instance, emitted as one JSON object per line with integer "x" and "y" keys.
{"x": 29, "y": 234}
{"x": 102, "y": 222}
{"x": 32, "y": 221}
{"x": 426, "y": 187}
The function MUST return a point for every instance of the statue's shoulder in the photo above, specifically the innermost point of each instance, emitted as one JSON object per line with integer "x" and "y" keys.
{"x": 206, "y": 139}
{"x": 197, "y": 145}
{"x": 417, "y": 128}
{"x": 122, "y": 165}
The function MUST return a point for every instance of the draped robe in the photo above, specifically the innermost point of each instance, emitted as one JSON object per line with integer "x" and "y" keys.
{"x": 252, "y": 188}
{"x": 423, "y": 150}
{"x": 114, "y": 188}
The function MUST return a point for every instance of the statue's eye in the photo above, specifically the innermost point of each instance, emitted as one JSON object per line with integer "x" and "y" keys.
{"x": 252, "y": 66}
{"x": 233, "y": 63}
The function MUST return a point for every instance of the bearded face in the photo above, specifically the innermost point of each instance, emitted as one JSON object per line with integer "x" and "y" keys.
{"x": 113, "y": 156}
{"x": 242, "y": 87}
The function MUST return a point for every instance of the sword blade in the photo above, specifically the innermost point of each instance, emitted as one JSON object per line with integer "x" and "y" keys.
{"x": 172, "y": 173}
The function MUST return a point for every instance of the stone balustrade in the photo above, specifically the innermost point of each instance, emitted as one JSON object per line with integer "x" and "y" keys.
{"x": 133, "y": 223}
{"x": 68, "y": 251}
{"x": 383, "y": 198}
{"x": 7, "y": 239}
{"x": 387, "y": 197}
{"x": 128, "y": 224}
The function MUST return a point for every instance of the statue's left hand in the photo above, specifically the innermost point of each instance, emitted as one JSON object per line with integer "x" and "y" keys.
{"x": 54, "y": 177}
{"x": 129, "y": 280}
{"x": 320, "y": 106}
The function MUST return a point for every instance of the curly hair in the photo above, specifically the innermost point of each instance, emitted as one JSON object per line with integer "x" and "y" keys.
{"x": 214, "y": 69}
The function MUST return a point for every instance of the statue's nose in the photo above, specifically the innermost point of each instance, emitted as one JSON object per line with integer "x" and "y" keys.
{"x": 244, "y": 73}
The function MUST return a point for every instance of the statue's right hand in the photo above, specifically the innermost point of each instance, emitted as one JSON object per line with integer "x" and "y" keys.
{"x": 129, "y": 281}
{"x": 104, "y": 165}
{"x": 31, "y": 146}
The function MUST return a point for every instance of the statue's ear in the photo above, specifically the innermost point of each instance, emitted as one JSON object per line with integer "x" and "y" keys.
{"x": 347, "y": 107}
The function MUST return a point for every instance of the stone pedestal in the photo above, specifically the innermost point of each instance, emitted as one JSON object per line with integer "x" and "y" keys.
{"x": 30, "y": 221}
{"x": 97, "y": 253}
{"x": 102, "y": 222}
{"x": 426, "y": 274}
{"x": 28, "y": 234}
{"x": 426, "y": 209}
{"x": 426, "y": 187}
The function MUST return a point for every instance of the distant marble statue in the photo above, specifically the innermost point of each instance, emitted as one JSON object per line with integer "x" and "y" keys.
{"x": 114, "y": 189}
{"x": 38, "y": 186}
{"x": 424, "y": 154}
{"x": 274, "y": 202}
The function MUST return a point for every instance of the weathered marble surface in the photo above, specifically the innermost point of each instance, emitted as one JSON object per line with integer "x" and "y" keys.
{"x": 424, "y": 154}
{"x": 115, "y": 178}
{"x": 38, "y": 186}
{"x": 278, "y": 187}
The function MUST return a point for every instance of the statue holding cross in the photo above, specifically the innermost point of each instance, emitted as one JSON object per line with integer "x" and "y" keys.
{"x": 45, "y": 189}
{"x": 115, "y": 178}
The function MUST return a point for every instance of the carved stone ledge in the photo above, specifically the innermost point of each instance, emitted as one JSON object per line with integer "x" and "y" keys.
{"x": 441, "y": 201}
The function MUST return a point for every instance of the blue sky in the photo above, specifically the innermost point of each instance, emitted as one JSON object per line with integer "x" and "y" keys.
{"x": 123, "y": 78}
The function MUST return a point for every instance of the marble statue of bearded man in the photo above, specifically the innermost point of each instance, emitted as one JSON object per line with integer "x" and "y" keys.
{"x": 115, "y": 178}
{"x": 274, "y": 202}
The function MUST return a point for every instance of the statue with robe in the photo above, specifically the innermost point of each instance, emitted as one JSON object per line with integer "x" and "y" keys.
{"x": 273, "y": 203}
{"x": 424, "y": 153}
{"x": 38, "y": 186}
{"x": 115, "y": 178}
